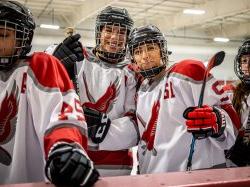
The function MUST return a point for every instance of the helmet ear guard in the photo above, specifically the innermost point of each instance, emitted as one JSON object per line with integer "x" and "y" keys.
{"x": 244, "y": 49}
{"x": 17, "y": 17}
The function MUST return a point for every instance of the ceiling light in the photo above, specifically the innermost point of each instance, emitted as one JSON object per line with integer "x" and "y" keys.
{"x": 46, "y": 26}
{"x": 220, "y": 39}
{"x": 194, "y": 11}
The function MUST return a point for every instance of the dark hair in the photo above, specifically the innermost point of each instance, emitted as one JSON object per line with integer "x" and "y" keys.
{"x": 240, "y": 95}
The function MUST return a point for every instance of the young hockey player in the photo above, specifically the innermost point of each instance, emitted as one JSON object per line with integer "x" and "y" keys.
{"x": 162, "y": 99}
{"x": 40, "y": 113}
{"x": 107, "y": 89}
{"x": 239, "y": 154}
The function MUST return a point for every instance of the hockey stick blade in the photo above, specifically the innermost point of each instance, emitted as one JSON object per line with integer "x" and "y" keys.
{"x": 216, "y": 60}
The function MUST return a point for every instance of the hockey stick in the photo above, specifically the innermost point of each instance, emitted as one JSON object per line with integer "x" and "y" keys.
{"x": 216, "y": 60}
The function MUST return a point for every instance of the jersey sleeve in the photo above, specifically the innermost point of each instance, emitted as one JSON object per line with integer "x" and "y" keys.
{"x": 55, "y": 107}
{"x": 124, "y": 132}
{"x": 214, "y": 95}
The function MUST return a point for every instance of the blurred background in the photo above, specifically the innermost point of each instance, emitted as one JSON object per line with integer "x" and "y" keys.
{"x": 194, "y": 28}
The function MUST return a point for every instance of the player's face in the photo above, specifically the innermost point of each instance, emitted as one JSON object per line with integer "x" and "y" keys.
{"x": 245, "y": 64}
{"x": 113, "y": 38}
{"x": 7, "y": 41}
{"x": 147, "y": 56}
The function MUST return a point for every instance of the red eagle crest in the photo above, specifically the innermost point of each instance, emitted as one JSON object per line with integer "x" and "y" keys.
{"x": 8, "y": 112}
{"x": 103, "y": 104}
{"x": 148, "y": 135}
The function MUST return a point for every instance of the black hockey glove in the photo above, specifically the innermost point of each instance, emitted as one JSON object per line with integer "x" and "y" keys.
{"x": 205, "y": 121}
{"x": 98, "y": 124}
{"x": 240, "y": 152}
{"x": 69, "y": 52}
{"x": 67, "y": 165}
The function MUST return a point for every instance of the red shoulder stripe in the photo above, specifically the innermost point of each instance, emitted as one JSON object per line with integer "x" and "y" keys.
{"x": 191, "y": 68}
{"x": 50, "y": 72}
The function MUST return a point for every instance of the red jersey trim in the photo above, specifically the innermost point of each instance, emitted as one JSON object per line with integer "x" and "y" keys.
{"x": 49, "y": 72}
{"x": 65, "y": 134}
{"x": 233, "y": 115}
{"x": 193, "y": 69}
{"x": 123, "y": 157}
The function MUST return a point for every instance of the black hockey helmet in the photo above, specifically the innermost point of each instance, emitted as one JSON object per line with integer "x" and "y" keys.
{"x": 243, "y": 50}
{"x": 149, "y": 34}
{"x": 16, "y": 16}
{"x": 113, "y": 16}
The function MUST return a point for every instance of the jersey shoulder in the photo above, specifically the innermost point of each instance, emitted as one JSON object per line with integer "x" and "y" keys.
{"x": 189, "y": 68}
{"x": 49, "y": 72}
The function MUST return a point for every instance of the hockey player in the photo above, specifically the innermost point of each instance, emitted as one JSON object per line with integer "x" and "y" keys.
{"x": 239, "y": 154}
{"x": 40, "y": 113}
{"x": 107, "y": 91}
{"x": 162, "y": 99}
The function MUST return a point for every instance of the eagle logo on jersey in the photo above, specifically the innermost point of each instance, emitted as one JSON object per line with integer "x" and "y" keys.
{"x": 148, "y": 135}
{"x": 8, "y": 113}
{"x": 106, "y": 101}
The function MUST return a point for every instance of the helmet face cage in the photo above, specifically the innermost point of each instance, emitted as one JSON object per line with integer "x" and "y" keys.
{"x": 151, "y": 47}
{"x": 113, "y": 26}
{"x": 21, "y": 40}
{"x": 242, "y": 63}
{"x": 111, "y": 40}
{"x": 149, "y": 35}
{"x": 18, "y": 19}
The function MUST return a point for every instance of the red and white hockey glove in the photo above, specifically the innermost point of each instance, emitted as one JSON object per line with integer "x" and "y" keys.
{"x": 205, "y": 121}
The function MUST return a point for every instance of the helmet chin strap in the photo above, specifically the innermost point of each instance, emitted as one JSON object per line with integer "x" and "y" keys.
{"x": 6, "y": 63}
{"x": 112, "y": 58}
{"x": 4, "y": 60}
{"x": 151, "y": 73}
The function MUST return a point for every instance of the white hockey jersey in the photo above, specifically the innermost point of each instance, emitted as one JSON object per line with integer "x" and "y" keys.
{"x": 110, "y": 88}
{"x": 38, "y": 107}
{"x": 165, "y": 142}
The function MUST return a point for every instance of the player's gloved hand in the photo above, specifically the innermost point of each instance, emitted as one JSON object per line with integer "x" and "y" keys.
{"x": 98, "y": 124}
{"x": 69, "y": 52}
{"x": 205, "y": 121}
{"x": 67, "y": 165}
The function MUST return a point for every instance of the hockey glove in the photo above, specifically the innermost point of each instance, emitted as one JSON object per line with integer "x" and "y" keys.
{"x": 67, "y": 165}
{"x": 240, "y": 152}
{"x": 205, "y": 121}
{"x": 98, "y": 124}
{"x": 69, "y": 52}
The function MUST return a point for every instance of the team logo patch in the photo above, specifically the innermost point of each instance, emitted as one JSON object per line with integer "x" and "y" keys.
{"x": 148, "y": 136}
{"x": 8, "y": 118}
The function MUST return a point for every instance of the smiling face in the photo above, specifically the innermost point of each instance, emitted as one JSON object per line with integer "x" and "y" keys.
{"x": 113, "y": 38}
{"x": 147, "y": 56}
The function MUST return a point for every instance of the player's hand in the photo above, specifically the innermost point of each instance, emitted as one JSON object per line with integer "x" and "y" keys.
{"x": 69, "y": 52}
{"x": 205, "y": 121}
{"x": 68, "y": 165}
{"x": 98, "y": 124}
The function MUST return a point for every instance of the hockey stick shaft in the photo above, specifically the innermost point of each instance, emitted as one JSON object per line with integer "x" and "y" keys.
{"x": 216, "y": 60}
